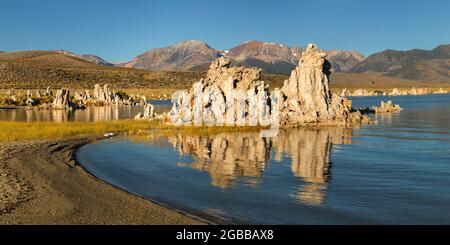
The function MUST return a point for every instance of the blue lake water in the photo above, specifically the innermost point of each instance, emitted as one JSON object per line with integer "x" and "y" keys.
{"x": 90, "y": 114}
{"x": 394, "y": 172}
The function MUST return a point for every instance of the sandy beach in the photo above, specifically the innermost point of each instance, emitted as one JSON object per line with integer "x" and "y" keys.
{"x": 40, "y": 183}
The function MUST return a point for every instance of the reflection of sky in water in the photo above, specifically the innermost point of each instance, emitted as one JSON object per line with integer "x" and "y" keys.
{"x": 396, "y": 172}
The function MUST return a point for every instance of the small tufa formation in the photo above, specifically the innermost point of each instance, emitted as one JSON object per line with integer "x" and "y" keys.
{"x": 236, "y": 96}
{"x": 11, "y": 95}
{"x": 48, "y": 92}
{"x": 148, "y": 113}
{"x": 345, "y": 92}
{"x": 61, "y": 100}
{"x": 440, "y": 91}
{"x": 82, "y": 96}
{"x": 38, "y": 93}
{"x": 103, "y": 96}
{"x": 395, "y": 92}
{"x": 387, "y": 107}
{"x": 363, "y": 92}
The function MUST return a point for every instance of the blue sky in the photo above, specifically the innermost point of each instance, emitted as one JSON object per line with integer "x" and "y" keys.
{"x": 120, "y": 30}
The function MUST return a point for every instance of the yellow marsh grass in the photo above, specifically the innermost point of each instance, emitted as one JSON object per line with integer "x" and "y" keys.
{"x": 15, "y": 131}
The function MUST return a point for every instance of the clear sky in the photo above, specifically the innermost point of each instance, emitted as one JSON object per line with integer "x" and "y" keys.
{"x": 119, "y": 30}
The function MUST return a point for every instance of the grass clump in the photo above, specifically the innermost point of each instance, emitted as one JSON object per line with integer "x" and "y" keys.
{"x": 16, "y": 131}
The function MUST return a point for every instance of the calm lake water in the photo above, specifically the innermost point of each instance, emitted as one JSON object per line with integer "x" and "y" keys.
{"x": 395, "y": 172}
{"x": 90, "y": 114}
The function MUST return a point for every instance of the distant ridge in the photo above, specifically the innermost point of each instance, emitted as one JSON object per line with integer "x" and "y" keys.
{"x": 271, "y": 57}
{"x": 416, "y": 64}
{"x": 88, "y": 57}
{"x": 184, "y": 56}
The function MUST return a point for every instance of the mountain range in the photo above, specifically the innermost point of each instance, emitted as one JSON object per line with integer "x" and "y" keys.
{"x": 39, "y": 69}
{"x": 423, "y": 65}
{"x": 184, "y": 56}
{"x": 193, "y": 55}
{"x": 273, "y": 58}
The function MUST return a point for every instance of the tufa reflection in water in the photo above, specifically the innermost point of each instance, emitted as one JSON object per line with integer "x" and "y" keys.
{"x": 90, "y": 114}
{"x": 228, "y": 157}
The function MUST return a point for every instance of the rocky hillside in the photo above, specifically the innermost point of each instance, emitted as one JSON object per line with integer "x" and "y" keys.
{"x": 88, "y": 57}
{"x": 184, "y": 56}
{"x": 343, "y": 61}
{"x": 417, "y": 64}
{"x": 278, "y": 58}
{"x": 39, "y": 69}
{"x": 271, "y": 57}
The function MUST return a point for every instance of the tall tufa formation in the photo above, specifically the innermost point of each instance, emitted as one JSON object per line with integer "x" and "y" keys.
{"x": 308, "y": 98}
{"x": 237, "y": 96}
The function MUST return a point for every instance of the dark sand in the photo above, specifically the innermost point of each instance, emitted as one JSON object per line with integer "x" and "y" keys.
{"x": 40, "y": 183}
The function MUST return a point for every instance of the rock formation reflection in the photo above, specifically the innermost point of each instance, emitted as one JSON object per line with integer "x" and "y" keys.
{"x": 243, "y": 157}
{"x": 90, "y": 114}
{"x": 226, "y": 156}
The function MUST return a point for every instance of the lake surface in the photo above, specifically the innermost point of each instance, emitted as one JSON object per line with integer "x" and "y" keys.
{"x": 395, "y": 172}
{"x": 90, "y": 114}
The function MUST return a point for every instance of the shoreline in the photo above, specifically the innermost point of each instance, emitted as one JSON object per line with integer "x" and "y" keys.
{"x": 42, "y": 183}
{"x": 200, "y": 217}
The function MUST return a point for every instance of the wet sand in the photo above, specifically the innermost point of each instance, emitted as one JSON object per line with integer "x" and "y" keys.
{"x": 40, "y": 183}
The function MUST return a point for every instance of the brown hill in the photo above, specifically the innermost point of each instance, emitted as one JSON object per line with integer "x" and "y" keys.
{"x": 88, "y": 57}
{"x": 39, "y": 69}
